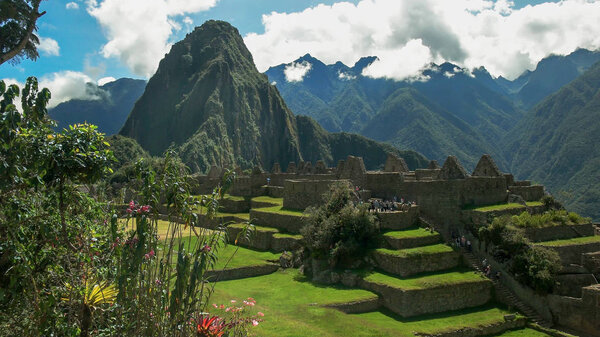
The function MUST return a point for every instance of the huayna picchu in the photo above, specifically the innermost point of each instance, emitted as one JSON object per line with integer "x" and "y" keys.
{"x": 208, "y": 99}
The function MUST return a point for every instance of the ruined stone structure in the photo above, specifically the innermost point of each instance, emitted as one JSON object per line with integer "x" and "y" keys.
{"x": 447, "y": 196}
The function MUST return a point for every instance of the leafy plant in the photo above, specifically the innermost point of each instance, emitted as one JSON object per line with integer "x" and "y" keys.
{"x": 339, "y": 230}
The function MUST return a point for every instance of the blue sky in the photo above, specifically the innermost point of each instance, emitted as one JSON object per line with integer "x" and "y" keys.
{"x": 90, "y": 40}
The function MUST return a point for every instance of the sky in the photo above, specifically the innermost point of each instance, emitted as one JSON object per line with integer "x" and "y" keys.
{"x": 101, "y": 40}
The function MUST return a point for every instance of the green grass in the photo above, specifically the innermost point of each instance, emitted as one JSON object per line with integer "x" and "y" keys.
{"x": 281, "y": 210}
{"x": 411, "y": 234}
{"x": 570, "y": 242}
{"x": 282, "y": 236}
{"x": 498, "y": 207}
{"x": 256, "y": 228}
{"x": 264, "y": 198}
{"x": 534, "y": 204}
{"x": 233, "y": 197}
{"x": 417, "y": 251}
{"x": 245, "y": 216}
{"x": 243, "y": 257}
{"x": 292, "y": 307}
{"x": 426, "y": 280}
{"x": 526, "y": 332}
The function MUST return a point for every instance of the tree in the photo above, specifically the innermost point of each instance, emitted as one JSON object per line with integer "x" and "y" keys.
{"x": 18, "y": 20}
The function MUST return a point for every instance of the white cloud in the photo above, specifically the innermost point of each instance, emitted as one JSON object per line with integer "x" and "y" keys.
{"x": 72, "y": 5}
{"x": 49, "y": 46}
{"x": 138, "y": 31}
{"x": 63, "y": 86}
{"x": 470, "y": 33}
{"x": 344, "y": 76}
{"x": 296, "y": 71}
{"x": 188, "y": 21}
{"x": 105, "y": 80}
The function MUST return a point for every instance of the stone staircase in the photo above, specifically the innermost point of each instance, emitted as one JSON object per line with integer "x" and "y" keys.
{"x": 506, "y": 294}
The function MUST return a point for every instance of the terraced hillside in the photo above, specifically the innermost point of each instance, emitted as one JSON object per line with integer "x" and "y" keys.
{"x": 418, "y": 285}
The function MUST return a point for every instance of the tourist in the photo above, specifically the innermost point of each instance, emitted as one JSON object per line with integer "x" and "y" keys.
{"x": 463, "y": 241}
{"x": 268, "y": 181}
{"x": 488, "y": 271}
{"x": 484, "y": 263}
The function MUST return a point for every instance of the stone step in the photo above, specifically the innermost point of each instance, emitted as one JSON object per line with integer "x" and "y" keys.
{"x": 263, "y": 238}
{"x": 429, "y": 293}
{"x": 406, "y": 262}
{"x": 412, "y": 237}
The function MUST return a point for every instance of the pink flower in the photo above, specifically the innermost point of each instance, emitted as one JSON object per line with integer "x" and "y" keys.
{"x": 145, "y": 209}
{"x": 260, "y": 314}
{"x": 206, "y": 249}
{"x": 216, "y": 306}
{"x": 131, "y": 204}
{"x": 233, "y": 301}
{"x": 129, "y": 210}
{"x": 254, "y": 322}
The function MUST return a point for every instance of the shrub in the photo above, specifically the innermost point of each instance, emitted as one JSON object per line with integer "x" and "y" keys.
{"x": 339, "y": 230}
{"x": 536, "y": 267}
{"x": 551, "y": 203}
{"x": 533, "y": 265}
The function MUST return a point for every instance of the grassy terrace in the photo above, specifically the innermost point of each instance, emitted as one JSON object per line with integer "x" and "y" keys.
{"x": 534, "y": 204}
{"x": 243, "y": 257}
{"x": 411, "y": 234}
{"x": 256, "y": 228}
{"x": 426, "y": 280}
{"x": 282, "y": 235}
{"x": 281, "y": 210}
{"x": 233, "y": 197}
{"x": 417, "y": 251}
{"x": 264, "y": 198}
{"x": 524, "y": 333}
{"x": 499, "y": 207}
{"x": 292, "y": 307}
{"x": 570, "y": 242}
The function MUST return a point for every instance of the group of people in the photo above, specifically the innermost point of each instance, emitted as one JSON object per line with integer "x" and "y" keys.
{"x": 377, "y": 205}
{"x": 487, "y": 270}
{"x": 461, "y": 241}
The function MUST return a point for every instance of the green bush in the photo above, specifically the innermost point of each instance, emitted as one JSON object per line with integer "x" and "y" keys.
{"x": 536, "y": 267}
{"x": 340, "y": 231}
{"x": 533, "y": 265}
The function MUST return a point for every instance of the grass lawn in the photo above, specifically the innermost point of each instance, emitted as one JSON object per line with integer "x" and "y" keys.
{"x": 282, "y": 236}
{"x": 256, "y": 228}
{"x": 423, "y": 250}
{"x": 569, "y": 242}
{"x": 233, "y": 197}
{"x": 291, "y": 305}
{"x": 243, "y": 257}
{"x": 163, "y": 227}
{"x": 498, "y": 207}
{"x": 281, "y": 210}
{"x": 265, "y": 198}
{"x": 526, "y": 332}
{"x": 534, "y": 204}
{"x": 411, "y": 233}
{"x": 425, "y": 280}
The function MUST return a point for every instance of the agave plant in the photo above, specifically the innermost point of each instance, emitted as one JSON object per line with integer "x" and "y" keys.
{"x": 210, "y": 327}
{"x": 94, "y": 294}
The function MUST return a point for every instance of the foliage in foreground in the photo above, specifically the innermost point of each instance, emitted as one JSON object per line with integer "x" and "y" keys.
{"x": 68, "y": 268}
{"x": 340, "y": 231}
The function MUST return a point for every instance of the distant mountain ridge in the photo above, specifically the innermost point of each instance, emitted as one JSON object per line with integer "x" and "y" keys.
{"x": 109, "y": 111}
{"x": 208, "y": 100}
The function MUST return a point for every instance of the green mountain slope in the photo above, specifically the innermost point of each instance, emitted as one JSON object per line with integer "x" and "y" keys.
{"x": 556, "y": 143}
{"x": 208, "y": 99}
{"x": 407, "y": 119}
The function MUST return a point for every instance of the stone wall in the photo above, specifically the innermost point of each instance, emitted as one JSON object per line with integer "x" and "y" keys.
{"x": 572, "y": 254}
{"x": 559, "y": 232}
{"x": 529, "y": 193}
{"x": 356, "y": 307}
{"x": 580, "y": 314}
{"x": 414, "y": 264}
{"x": 235, "y": 206}
{"x": 300, "y": 194}
{"x": 413, "y": 302}
{"x": 383, "y": 184}
{"x": 241, "y": 272}
{"x": 399, "y": 219}
{"x": 427, "y": 174}
{"x": 285, "y": 222}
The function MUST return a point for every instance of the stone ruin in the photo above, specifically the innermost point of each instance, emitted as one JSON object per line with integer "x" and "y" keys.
{"x": 395, "y": 164}
{"x": 353, "y": 169}
{"x": 433, "y": 165}
{"x": 276, "y": 168}
{"x": 320, "y": 167}
{"x": 291, "y": 168}
{"x": 215, "y": 172}
{"x": 452, "y": 169}
{"x": 486, "y": 167}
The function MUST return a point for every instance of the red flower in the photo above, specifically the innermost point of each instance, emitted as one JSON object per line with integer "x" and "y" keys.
{"x": 206, "y": 248}
{"x": 210, "y": 327}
